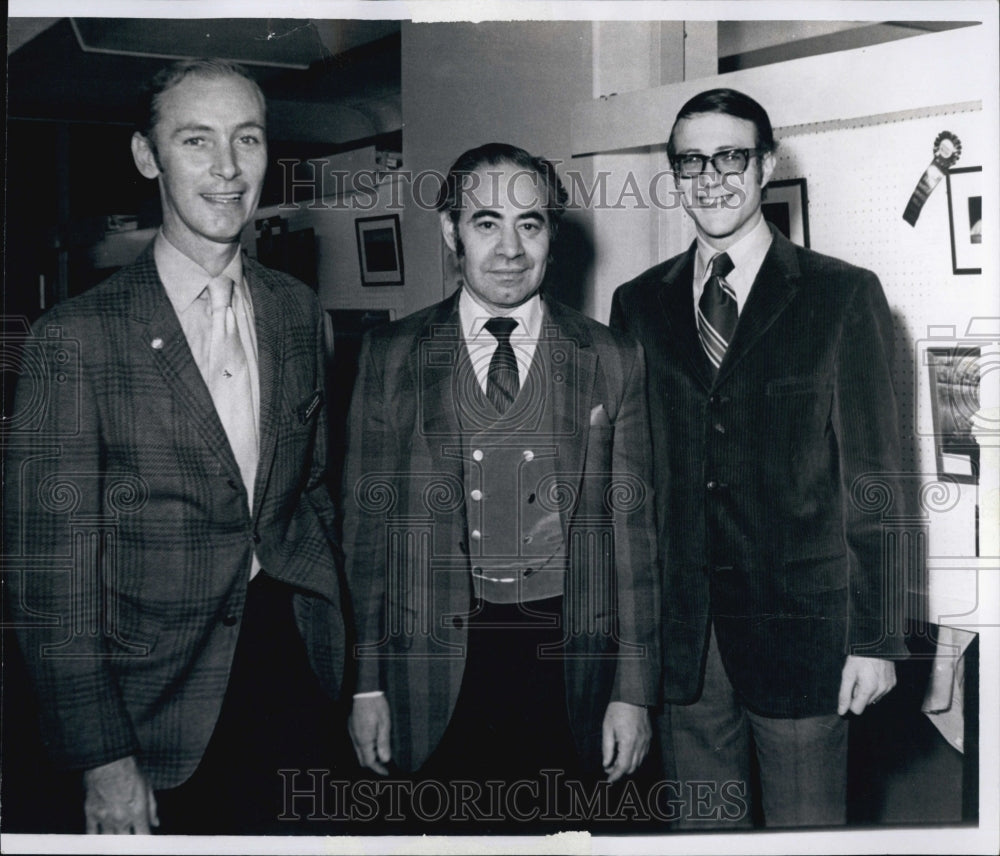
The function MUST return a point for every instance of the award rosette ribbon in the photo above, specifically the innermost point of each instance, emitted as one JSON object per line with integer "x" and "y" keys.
{"x": 947, "y": 151}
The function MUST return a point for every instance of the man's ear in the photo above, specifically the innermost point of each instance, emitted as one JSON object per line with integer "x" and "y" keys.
{"x": 142, "y": 154}
{"x": 767, "y": 165}
{"x": 448, "y": 230}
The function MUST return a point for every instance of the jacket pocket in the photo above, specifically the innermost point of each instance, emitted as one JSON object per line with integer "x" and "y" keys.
{"x": 797, "y": 385}
{"x": 813, "y": 576}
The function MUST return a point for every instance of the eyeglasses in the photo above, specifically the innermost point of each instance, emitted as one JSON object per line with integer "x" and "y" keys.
{"x": 692, "y": 165}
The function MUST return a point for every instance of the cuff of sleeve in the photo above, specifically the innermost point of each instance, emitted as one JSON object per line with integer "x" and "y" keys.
{"x": 370, "y": 694}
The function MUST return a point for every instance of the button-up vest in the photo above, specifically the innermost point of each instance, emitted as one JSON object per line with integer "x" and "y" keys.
{"x": 517, "y": 548}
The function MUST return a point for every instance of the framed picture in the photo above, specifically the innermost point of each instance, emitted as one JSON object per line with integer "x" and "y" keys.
{"x": 954, "y": 377}
{"x": 786, "y": 204}
{"x": 380, "y": 250}
{"x": 965, "y": 218}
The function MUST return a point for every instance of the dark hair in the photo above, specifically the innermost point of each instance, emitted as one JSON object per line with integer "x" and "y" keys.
{"x": 148, "y": 112}
{"x": 730, "y": 103}
{"x": 453, "y": 190}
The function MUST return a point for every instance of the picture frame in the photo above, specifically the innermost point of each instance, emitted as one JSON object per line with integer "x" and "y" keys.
{"x": 954, "y": 381}
{"x": 965, "y": 211}
{"x": 380, "y": 250}
{"x": 786, "y": 205}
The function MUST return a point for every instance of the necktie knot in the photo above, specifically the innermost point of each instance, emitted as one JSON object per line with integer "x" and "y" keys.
{"x": 501, "y": 327}
{"x": 721, "y": 265}
{"x": 220, "y": 292}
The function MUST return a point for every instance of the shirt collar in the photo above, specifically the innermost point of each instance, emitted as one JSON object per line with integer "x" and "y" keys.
{"x": 182, "y": 277}
{"x": 473, "y": 317}
{"x": 747, "y": 255}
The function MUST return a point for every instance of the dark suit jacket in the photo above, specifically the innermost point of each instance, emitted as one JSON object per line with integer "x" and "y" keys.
{"x": 764, "y": 528}
{"x": 127, "y": 516}
{"x": 406, "y": 534}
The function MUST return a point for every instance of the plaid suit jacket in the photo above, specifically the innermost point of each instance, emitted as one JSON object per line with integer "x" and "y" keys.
{"x": 128, "y": 542}
{"x": 771, "y": 477}
{"x": 406, "y": 536}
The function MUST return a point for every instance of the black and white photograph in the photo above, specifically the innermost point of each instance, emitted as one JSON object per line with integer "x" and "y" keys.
{"x": 501, "y": 427}
{"x": 786, "y": 205}
{"x": 965, "y": 218}
{"x": 380, "y": 250}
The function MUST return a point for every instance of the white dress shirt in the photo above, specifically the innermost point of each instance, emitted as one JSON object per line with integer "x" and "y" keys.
{"x": 482, "y": 343}
{"x": 186, "y": 284}
{"x": 747, "y": 255}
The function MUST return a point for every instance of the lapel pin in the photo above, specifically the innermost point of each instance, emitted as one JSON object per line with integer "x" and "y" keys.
{"x": 157, "y": 344}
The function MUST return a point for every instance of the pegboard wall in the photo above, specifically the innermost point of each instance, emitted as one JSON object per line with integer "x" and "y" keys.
{"x": 859, "y": 176}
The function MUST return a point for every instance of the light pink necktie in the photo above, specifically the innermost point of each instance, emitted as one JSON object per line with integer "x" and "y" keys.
{"x": 229, "y": 382}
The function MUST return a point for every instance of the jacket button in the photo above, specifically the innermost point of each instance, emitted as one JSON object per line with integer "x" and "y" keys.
{"x": 477, "y": 455}
{"x": 230, "y": 620}
{"x": 712, "y": 485}
{"x": 457, "y": 622}
{"x": 476, "y": 495}
{"x": 720, "y": 427}
{"x": 233, "y": 484}
{"x": 475, "y": 534}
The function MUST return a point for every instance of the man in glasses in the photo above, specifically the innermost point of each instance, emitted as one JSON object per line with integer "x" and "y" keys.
{"x": 772, "y": 406}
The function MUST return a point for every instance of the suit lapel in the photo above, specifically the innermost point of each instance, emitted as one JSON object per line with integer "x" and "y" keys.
{"x": 156, "y": 327}
{"x": 773, "y": 288}
{"x": 435, "y": 361}
{"x": 677, "y": 303}
{"x": 573, "y": 396}
{"x": 270, "y": 360}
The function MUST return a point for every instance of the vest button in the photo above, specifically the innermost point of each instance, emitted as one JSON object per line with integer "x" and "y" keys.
{"x": 476, "y": 534}
{"x": 457, "y": 622}
{"x": 477, "y": 455}
{"x": 712, "y": 485}
{"x": 528, "y": 455}
{"x": 476, "y": 495}
{"x": 720, "y": 427}
{"x": 230, "y": 620}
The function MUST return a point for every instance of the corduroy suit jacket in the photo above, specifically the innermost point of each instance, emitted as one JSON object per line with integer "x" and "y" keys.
{"x": 767, "y": 529}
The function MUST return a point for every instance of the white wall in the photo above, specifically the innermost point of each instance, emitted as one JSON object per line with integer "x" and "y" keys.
{"x": 468, "y": 84}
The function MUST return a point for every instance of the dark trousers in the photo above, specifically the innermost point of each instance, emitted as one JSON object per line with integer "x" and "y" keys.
{"x": 510, "y": 720}
{"x": 275, "y": 716}
{"x": 802, "y": 762}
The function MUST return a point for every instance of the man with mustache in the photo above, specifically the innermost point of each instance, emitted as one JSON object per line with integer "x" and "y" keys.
{"x": 177, "y": 466}
{"x": 770, "y": 392}
{"x": 498, "y": 527}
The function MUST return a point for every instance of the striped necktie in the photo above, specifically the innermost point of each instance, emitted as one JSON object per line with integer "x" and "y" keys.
{"x": 717, "y": 312}
{"x": 502, "y": 381}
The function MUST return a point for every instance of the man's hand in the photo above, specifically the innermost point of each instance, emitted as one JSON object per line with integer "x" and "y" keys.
{"x": 864, "y": 681}
{"x": 369, "y": 725}
{"x": 118, "y": 800}
{"x": 625, "y": 742}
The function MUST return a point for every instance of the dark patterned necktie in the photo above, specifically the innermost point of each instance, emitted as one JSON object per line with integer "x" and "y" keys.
{"x": 502, "y": 383}
{"x": 717, "y": 312}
